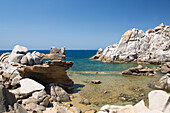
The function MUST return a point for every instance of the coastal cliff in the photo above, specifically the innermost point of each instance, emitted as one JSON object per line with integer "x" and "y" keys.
{"x": 153, "y": 46}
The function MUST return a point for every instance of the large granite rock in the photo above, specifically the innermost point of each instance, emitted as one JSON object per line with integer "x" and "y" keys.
{"x": 153, "y": 46}
{"x": 29, "y": 86}
{"x": 58, "y": 94}
{"x": 6, "y": 99}
{"x": 55, "y": 53}
{"x": 21, "y": 55}
{"x": 50, "y": 72}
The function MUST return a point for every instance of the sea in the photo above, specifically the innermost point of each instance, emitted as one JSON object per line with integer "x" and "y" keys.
{"x": 114, "y": 86}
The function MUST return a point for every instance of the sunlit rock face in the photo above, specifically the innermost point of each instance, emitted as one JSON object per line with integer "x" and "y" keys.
{"x": 153, "y": 46}
{"x": 55, "y": 53}
{"x": 50, "y": 72}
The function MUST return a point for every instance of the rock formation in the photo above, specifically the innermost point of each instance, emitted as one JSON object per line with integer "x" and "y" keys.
{"x": 139, "y": 71}
{"x": 158, "y": 103}
{"x": 50, "y": 72}
{"x": 153, "y": 46}
{"x": 27, "y": 85}
{"x": 55, "y": 53}
{"x": 21, "y": 55}
{"x": 164, "y": 83}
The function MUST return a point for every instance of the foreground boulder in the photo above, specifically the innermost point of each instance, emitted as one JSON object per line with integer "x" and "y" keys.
{"x": 158, "y": 103}
{"x": 6, "y": 99}
{"x": 50, "y": 72}
{"x": 55, "y": 53}
{"x": 153, "y": 46}
{"x": 58, "y": 94}
{"x": 139, "y": 71}
{"x": 164, "y": 83}
{"x": 26, "y": 86}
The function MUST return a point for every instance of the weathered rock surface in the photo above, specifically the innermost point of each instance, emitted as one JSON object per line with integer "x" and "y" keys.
{"x": 58, "y": 94}
{"x": 164, "y": 83}
{"x": 50, "y": 72}
{"x": 4, "y": 57}
{"x": 55, "y": 53}
{"x": 158, "y": 103}
{"x": 21, "y": 55}
{"x": 29, "y": 86}
{"x": 96, "y": 81}
{"x": 98, "y": 54}
{"x": 158, "y": 100}
{"x": 153, "y": 46}
{"x": 139, "y": 71}
{"x": 6, "y": 98}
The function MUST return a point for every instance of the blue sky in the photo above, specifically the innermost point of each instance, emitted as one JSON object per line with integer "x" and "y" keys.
{"x": 76, "y": 24}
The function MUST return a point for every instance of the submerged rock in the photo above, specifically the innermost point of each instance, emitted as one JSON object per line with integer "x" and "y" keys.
{"x": 96, "y": 81}
{"x": 139, "y": 71}
{"x": 153, "y": 46}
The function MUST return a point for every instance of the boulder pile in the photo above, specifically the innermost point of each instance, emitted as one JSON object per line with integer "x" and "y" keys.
{"x": 21, "y": 55}
{"x": 27, "y": 85}
{"x": 153, "y": 46}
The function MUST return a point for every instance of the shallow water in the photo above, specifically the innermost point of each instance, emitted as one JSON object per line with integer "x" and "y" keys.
{"x": 114, "y": 86}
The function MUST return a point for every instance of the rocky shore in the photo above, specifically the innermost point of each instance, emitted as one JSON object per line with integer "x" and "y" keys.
{"x": 28, "y": 85}
{"x": 136, "y": 45}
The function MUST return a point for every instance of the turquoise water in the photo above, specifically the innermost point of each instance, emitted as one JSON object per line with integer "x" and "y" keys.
{"x": 83, "y": 63}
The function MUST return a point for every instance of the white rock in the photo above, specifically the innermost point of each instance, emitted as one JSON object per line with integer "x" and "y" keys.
{"x": 139, "y": 107}
{"x": 29, "y": 86}
{"x": 158, "y": 100}
{"x": 16, "y": 80}
{"x": 24, "y": 60}
{"x": 15, "y": 58}
{"x": 20, "y": 50}
{"x": 30, "y": 59}
{"x": 37, "y": 57}
{"x": 106, "y": 107}
{"x": 167, "y": 110}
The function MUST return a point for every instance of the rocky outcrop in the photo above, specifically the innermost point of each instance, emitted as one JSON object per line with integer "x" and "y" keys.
{"x": 50, "y": 72}
{"x": 158, "y": 103}
{"x": 98, "y": 54}
{"x": 139, "y": 71}
{"x": 153, "y": 46}
{"x": 31, "y": 85}
{"x": 55, "y": 53}
{"x": 164, "y": 83}
{"x": 21, "y": 55}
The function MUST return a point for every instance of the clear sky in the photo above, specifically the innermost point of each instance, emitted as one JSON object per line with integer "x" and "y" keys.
{"x": 76, "y": 24}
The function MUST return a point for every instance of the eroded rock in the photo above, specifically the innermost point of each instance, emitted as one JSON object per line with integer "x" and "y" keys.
{"x": 50, "y": 72}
